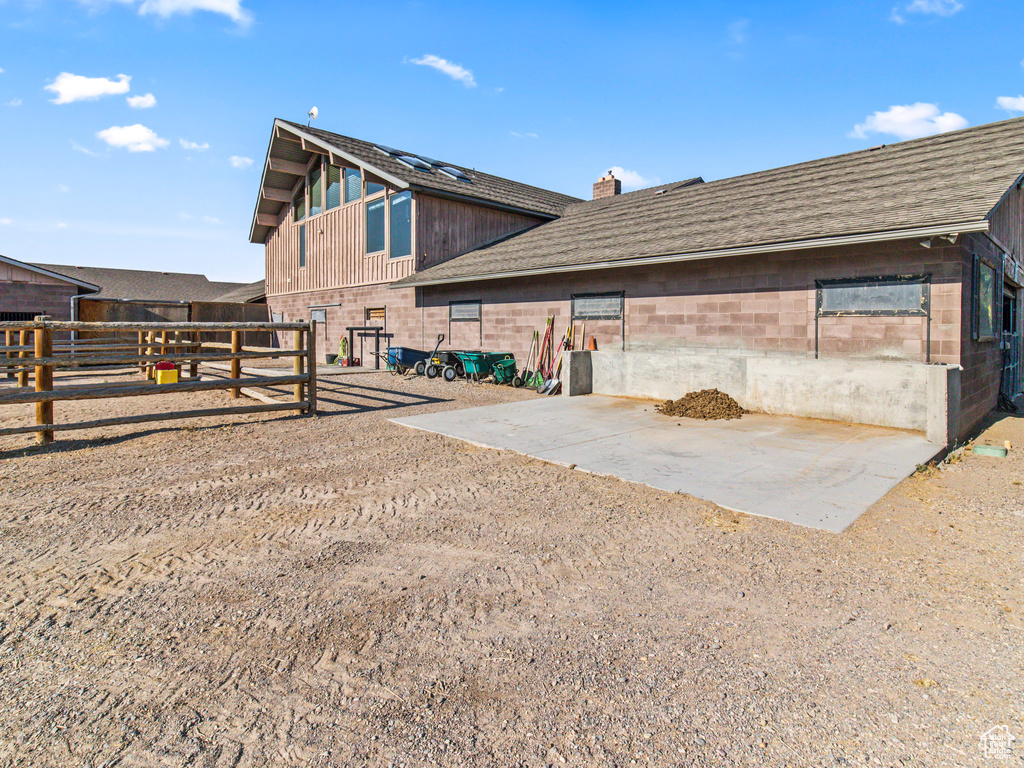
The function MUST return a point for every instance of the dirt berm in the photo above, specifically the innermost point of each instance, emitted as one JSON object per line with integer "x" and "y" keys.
{"x": 705, "y": 404}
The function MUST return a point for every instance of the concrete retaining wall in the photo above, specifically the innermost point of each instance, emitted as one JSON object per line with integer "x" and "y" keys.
{"x": 910, "y": 396}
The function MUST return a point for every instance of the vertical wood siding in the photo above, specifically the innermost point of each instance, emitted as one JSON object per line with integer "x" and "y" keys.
{"x": 334, "y": 259}
{"x": 447, "y": 228}
{"x": 441, "y": 229}
{"x": 1007, "y": 222}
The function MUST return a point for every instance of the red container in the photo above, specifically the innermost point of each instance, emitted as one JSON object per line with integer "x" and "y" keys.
{"x": 164, "y": 366}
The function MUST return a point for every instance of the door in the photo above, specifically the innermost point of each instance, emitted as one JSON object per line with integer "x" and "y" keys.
{"x": 1011, "y": 342}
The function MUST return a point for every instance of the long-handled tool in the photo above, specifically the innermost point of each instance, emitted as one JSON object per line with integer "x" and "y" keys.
{"x": 521, "y": 378}
{"x": 538, "y": 377}
{"x": 553, "y": 384}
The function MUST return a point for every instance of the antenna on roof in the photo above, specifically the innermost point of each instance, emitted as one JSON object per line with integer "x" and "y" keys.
{"x": 312, "y": 115}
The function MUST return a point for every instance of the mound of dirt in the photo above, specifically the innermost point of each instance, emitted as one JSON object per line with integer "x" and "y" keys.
{"x": 706, "y": 404}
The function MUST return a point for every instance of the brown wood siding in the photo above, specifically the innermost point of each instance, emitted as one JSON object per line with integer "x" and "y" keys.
{"x": 334, "y": 259}
{"x": 447, "y": 228}
{"x": 1008, "y": 220}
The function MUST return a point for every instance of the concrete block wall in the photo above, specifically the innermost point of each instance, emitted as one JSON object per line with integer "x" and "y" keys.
{"x": 39, "y": 298}
{"x": 982, "y": 361}
{"x": 764, "y": 303}
{"x": 909, "y": 396}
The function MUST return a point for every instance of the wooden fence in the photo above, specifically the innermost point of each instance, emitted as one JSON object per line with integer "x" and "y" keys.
{"x": 42, "y": 347}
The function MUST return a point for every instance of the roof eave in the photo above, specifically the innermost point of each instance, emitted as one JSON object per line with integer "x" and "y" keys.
{"x": 48, "y": 273}
{"x": 788, "y": 245}
{"x": 432, "y": 192}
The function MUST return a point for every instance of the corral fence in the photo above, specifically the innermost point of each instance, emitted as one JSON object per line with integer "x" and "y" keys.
{"x": 40, "y": 348}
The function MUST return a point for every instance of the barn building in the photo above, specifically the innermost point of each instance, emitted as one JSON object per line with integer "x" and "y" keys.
{"x": 880, "y": 286}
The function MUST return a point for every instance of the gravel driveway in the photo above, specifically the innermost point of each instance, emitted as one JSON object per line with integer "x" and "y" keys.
{"x": 342, "y": 591}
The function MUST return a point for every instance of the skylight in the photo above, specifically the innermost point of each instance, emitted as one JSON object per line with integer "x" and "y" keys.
{"x": 455, "y": 173}
{"x": 414, "y": 162}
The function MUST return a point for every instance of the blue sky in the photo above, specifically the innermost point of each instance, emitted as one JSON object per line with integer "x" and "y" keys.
{"x": 133, "y": 131}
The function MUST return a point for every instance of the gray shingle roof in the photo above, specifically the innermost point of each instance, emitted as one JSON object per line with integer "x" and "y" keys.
{"x": 482, "y": 187}
{"x": 247, "y": 293}
{"x": 143, "y": 285}
{"x": 952, "y": 178}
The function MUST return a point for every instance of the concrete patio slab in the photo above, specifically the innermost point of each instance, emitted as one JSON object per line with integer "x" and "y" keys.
{"x": 818, "y": 474}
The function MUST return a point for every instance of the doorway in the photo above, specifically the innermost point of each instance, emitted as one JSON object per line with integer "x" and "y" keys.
{"x": 1011, "y": 342}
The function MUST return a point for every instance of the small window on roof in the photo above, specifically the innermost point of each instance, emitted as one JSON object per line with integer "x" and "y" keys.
{"x": 415, "y": 162}
{"x": 372, "y": 188}
{"x": 455, "y": 173}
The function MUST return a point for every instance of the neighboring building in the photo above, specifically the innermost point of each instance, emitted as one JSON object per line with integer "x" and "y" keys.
{"x": 253, "y": 293}
{"x": 28, "y": 290}
{"x": 854, "y": 287}
{"x": 145, "y": 285}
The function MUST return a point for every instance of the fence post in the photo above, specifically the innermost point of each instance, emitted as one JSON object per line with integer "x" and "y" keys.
{"x": 44, "y": 378}
{"x": 236, "y": 364}
{"x": 311, "y": 365}
{"x": 8, "y": 339}
{"x": 297, "y": 364}
{"x": 150, "y": 337}
{"x": 193, "y": 370}
{"x": 142, "y": 351}
{"x": 23, "y": 373}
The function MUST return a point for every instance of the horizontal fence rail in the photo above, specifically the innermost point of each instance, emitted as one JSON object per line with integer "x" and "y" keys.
{"x": 30, "y": 349}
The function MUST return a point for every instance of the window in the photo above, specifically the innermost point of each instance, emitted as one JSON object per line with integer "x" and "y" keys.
{"x": 874, "y": 296}
{"x": 372, "y": 188}
{"x": 400, "y": 225}
{"x": 319, "y": 316}
{"x": 985, "y": 302}
{"x": 464, "y": 311}
{"x": 353, "y": 185}
{"x": 333, "y": 187}
{"x": 597, "y": 306}
{"x": 375, "y": 225}
{"x": 18, "y": 317}
{"x": 302, "y": 245}
{"x": 316, "y": 201}
{"x": 299, "y": 206}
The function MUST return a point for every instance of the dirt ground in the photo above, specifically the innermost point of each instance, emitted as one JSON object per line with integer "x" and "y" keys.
{"x": 342, "y": 591}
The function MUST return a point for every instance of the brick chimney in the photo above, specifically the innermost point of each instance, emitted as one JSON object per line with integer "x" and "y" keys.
{"x": 607, "y": 186}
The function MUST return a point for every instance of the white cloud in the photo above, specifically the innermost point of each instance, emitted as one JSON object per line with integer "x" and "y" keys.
{"x": 738, "y": 31}
{"x": 454, "y": 71}
{"x": 211, "y": 219}
{"x": 84, "y": 150}
{"x": 1, "y": 70}
{"x": 925, "y": 7}
{"x": 524, "y": 135}
{"x": 1011, "y": 103}
{"x": 62, "y": 225}
{"x": 164, "y": 8}
{"x": 63, "y": 188}
{"x": 5, "y": 222}
{"x": 71, "y": 88}
{"x": 14, "y": 103}
{"x": 632, "y": 179}
{"x": 194, "y": 145}
{"x": 142, "y": 102}
{"x": 241, "y": 163}
{"x": 910, "y": 121}
{"x": 134, "y": 138}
